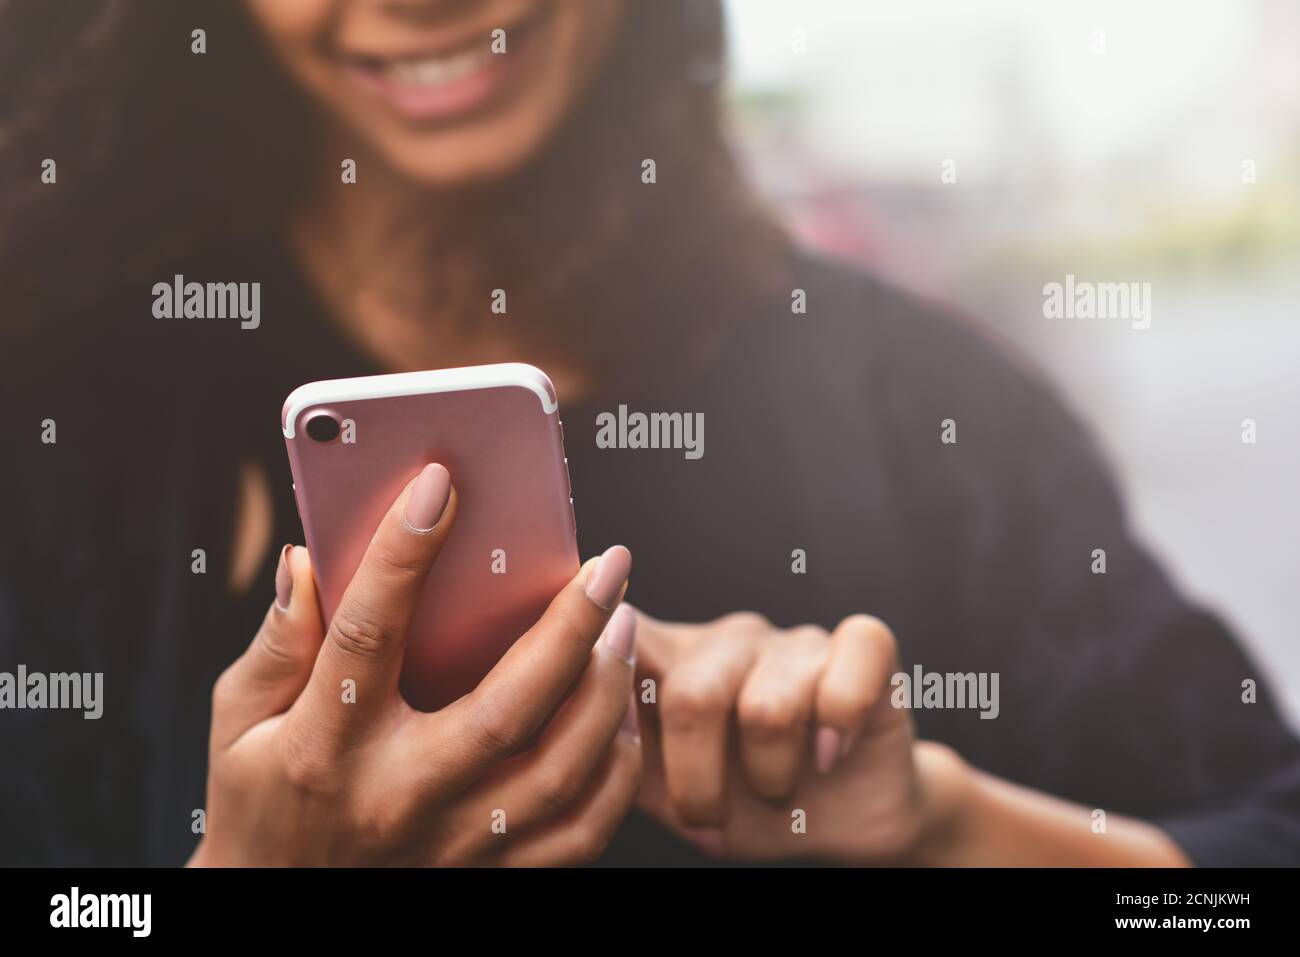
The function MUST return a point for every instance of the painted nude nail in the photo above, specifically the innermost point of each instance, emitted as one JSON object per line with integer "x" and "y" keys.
{"x": 283, "y": 580}
{"x": 828, "y": 749}
{"x": 608, "y": 577}
{"x": 620, "y": 634}
{"x": 429, "y": 496}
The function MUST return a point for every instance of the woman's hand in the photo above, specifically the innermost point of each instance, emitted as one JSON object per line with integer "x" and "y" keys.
{"x": 299, "y": 775}
{"x": 771, "y": 744}
{"x": 753, "y": 724}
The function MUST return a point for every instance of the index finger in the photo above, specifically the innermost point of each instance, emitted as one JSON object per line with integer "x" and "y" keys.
{"x": 366, "y": 639}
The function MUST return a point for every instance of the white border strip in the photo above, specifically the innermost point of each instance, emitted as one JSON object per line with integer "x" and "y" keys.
{"x": 329, "y": 391}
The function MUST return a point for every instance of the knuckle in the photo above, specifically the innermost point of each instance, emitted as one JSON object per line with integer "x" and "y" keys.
{"x": 744, "y": 622}
{"x": 377, "y": 825}
{"x": 872, "y": 628}
{"x": 398, "y": 566}
{"x": 767, "y": 716}
{"x": 811, "y": 636}
{"x": 691, "y": 701}
{"x": 871, "y": 639}
{"x": 569, "y": 631}
{"x": 495, "y": 731}
{"x": 356, "y": 632}
{"x": 304, "y": 767}
{"x": 558, "y": 784}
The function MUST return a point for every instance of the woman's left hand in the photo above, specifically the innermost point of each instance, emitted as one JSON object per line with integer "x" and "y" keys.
{"x": 764, "y": 744}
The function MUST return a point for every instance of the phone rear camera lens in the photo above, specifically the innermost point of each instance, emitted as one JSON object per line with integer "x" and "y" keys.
{"x": 323, "y": 427}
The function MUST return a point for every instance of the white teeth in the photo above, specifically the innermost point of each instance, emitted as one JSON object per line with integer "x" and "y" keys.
{"x": 436, "y": 71}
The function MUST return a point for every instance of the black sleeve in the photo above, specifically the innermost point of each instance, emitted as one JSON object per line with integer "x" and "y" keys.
{"x": 1185, "y": 723}
{"x": 1117, "y": 691}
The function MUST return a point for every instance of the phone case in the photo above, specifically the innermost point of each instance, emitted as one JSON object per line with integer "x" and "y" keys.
{"x": 497, "y": 430}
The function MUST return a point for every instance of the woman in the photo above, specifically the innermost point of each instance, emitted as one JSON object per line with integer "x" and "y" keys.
{"x": 389, "y": 171}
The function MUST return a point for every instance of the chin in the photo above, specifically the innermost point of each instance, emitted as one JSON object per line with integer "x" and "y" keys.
{"x": 441, "y": 174}
{"x": 449, "y": 161}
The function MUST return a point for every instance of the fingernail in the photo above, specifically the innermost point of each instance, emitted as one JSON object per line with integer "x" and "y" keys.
{"x": 428, "y": 498}
{"x": 608, "y": 577}
{"x": 631, "y": 723}
{"x": 828, "y": 749}
{"x": 620, "y": 634}
{"x": 283, "y": 580}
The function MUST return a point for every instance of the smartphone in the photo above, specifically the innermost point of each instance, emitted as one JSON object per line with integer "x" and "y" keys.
{"x": 354, "y": 444}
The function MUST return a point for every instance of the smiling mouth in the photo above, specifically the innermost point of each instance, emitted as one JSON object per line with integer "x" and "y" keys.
{"x": 448, "y": 85}
{"x": 436, "y": 70}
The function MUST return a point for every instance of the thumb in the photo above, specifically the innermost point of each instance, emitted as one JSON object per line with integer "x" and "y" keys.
{"x": 268, "y": 677}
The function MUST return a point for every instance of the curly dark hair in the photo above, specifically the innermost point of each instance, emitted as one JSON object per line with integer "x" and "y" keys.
{"x": 160, "y": 151}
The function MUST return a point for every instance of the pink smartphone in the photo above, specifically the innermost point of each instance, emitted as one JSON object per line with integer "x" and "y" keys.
{"x": 354, "y": 444}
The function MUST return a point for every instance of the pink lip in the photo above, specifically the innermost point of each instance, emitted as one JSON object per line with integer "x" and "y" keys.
{"x": 442, "y": 100}
{"x": 456, "y": 98}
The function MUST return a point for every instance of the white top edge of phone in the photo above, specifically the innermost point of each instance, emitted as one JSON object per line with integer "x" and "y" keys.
{"x": 418, "y": 383}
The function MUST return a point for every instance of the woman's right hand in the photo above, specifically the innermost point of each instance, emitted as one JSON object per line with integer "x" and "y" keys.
{"x": 297, "y": 775}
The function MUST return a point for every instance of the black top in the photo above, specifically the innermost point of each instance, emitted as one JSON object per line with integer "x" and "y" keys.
{"x": 822, "y": 433}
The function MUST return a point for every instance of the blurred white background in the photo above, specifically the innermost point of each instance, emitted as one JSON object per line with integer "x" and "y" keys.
{"x": 1139, "y": 142}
